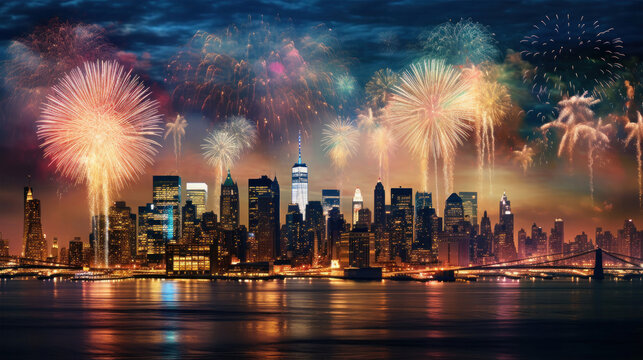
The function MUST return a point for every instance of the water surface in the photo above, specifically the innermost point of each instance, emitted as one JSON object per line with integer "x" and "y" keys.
{"x": 302, "y": 318}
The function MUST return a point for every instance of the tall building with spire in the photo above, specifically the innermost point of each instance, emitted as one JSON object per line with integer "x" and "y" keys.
{"x": 358, "y": 204}
{"x": 379, "y": 205}
{"x": 229, "y": 204}
{"x": 300, "y": 183}
{"x": 35, "y": 246}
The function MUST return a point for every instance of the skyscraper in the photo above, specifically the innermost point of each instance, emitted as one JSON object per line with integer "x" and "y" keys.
{"x": 330, "y": 199}
{"x": 198, "y": 194}
{"x": 263, "y": 216}
{"x": 423, "y": 200}
{"x": 504, "y": 247}
{"x": 35, "y": 246}
{"x": 486, "y": 234}
{"x": 358, "y": 204}
{"x": 335, "y": 228}
{"x": 316, "y": 226}
{"x": 453, "y": 212}
{"x": 122, "y": 232}
{"x": 379, "y": 205}
{"x": 300, "y": 183}
{"x": 298, "y": 246}
{"x": 229, "y": 204}
{"x": 470, "y": 206}
{"x": 76, "y": 252}
{"x": 557, "y": 237}
{"x": 190, "y": 223}
{"x": 167, "y": 196}
{"x": 401, "y": 224}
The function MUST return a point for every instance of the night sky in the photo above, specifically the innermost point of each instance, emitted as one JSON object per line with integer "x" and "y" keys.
{"x": 367, "y": 36}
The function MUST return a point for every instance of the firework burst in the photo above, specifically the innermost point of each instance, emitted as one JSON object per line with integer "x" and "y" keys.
{"x": 268, "y": 73}
{"x": 525, "y": 157}
{"x": 635, "y": 134}
{"x": 432, "y": 111}
{"x": 177, "y": 130}
{"x": 224, "y": 146}
{"x": 576, "y": 120}
{"x": 491, "y": 104}
{"x": 460, "y": 43}
{"x": 571, "y": 56}
{"x": 379, "y": 88}
{"x": 340, "y": 140}
{"x": 96, "y": 128}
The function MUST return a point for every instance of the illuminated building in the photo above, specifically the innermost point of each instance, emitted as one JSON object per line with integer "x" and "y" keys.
{"x": 4, "y": 247}
{"x": 210, "y": 233}
{"x": 190, "y": 223}
{"x": 453, "y": 212}
{"x": 486, "y": 234}
{"x": 522, "y": 243}
{"x": 425, "y": 232}
{"x": 557, "y": 237}
{"x": 358, "y": 248}
{"x": 330, "y": 199}
{"x": 122, "y": 232}
{"x": 540, "y": 238}
{"x": 631, "y": 244}
{"x": 423, "y": 200}
{"x": 300, "y": 183}
{"x": 166, "y": 196}
{"x": 379, "y": 205}
{"x": 401, "y": 224}
{"x": 364, "y": 218}
{"x": 229, "y": 204}
{"x": 358, "y": 204}
{"x": 97, "y": 240}
{"x": 453, "y": 248}
{"x": 76, "y": 252}
{"x": 191, "y": 260}
{"x": 54, "y": 249}
{"x": 335, "y": 227}
{"x": 504, "y": 247}
{"x": 198, "y": 194}
{"x": 263, "y": 216}
{"x": 35, "y": 245}
{"x": 155, "y": 231}
{"x": 470, "y": 206}
{"x": 298, "y": 247}
{"x": 315, "y": 225}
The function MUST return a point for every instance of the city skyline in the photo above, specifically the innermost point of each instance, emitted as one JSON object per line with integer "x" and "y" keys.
{"x": 551, "y": 187}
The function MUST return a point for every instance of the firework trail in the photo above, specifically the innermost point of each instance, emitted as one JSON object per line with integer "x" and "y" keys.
{"x": 524, "y": 157}
{"x": 635, "y": 134}
{"x": 271, "y": 74}
{"x": 491, "y": 104}
{"x": 223, "y": 147}
{"x": 382, "y": 141}
{"x": 177, "y": 129}
{"x": 431, "y": 111}
{"x": 576, "y": 120}
{"x": 367, "y": 120}
{"x": 379, "y": 88}
{"x": 564, "y": 50}
{"x": 340, "y": 140}
{"x": 96, "y": 129}
{"x": 595, "y": 134}
{"x": 460, "y": 43}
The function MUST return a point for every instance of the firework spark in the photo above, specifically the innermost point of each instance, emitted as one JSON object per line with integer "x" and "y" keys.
{"x": 177, "y": 129}
{"x": 223, "y": 147}
{"x": 379, "y": 88}
{"x": 635, "y": 134}
{"x": 96, "y": 129}
{"x": 460, "y": 43}
{"x": 340, "y": 140}
{"x": 432, "y": 111}
{"x": 571, "y": 56}
{"x": 524, "y": 157}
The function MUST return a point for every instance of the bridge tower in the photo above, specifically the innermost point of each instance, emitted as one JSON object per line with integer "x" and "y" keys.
{"x": 598, "y": 265}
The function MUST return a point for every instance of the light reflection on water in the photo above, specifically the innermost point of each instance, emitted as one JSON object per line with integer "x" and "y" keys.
{"x": 318, "y": 318}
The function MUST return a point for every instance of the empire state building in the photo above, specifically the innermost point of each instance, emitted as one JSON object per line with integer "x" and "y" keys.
{"x": 300, "y": 183}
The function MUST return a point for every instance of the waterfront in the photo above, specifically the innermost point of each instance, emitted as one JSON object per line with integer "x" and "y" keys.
{"x": 303, "y": 318}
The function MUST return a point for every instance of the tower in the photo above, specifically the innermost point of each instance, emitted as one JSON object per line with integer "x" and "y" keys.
{"x": 379, "y": 205}
{"x": 198, "y": 194}
{"x": 299, "y": 194}
{"x": 453, "y": 212}
{"x": 358, "y": 204}
{"x": 263, "y": 216}
{"x": 401, "y": 222}
{"x": 35, "y": 245}
{"x": 229, "y": 204}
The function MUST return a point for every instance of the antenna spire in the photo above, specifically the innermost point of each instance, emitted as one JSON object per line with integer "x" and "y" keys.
{"x": 299, "y": 140}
